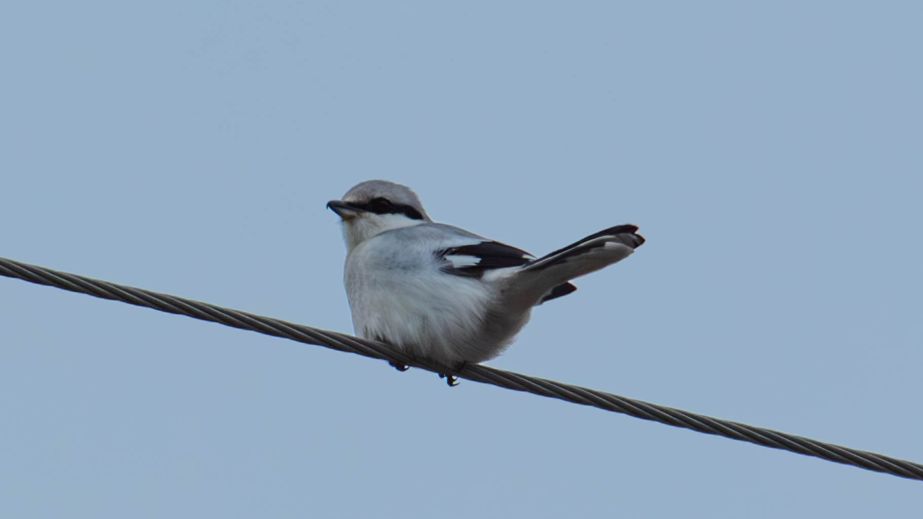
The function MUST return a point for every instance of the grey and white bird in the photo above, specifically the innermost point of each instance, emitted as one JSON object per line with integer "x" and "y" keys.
{"x": 442, "y": 293}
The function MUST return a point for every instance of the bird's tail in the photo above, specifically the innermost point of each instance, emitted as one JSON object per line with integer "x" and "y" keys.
{"x": 547, "y": 277}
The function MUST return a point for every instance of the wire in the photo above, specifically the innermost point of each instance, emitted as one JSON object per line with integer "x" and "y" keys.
{"x": 477, "y": 373}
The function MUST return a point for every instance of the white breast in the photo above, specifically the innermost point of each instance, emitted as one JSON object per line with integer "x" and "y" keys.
{"x": 398, "y": 294}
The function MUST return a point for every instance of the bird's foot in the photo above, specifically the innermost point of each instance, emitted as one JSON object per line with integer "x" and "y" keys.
{"x": 398, "y": 366}
{"x": 451, "y": 380}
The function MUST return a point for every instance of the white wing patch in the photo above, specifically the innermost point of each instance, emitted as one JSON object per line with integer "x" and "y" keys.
{"x": 462, "y": 260}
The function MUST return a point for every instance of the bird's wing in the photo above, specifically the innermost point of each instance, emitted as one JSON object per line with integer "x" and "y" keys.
{"x": 475, "y": 259}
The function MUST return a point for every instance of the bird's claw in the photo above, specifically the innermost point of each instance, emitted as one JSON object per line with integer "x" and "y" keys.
{"x": 450, "y": 380}
{"x": 398, "y": 366}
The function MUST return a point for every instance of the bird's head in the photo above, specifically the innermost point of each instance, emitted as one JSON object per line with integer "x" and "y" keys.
{"x": 376, "y": 206}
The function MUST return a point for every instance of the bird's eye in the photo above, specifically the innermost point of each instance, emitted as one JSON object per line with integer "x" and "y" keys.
{"x": 380, "y": 205}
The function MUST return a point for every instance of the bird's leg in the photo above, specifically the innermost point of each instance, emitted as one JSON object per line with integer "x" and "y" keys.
{"x": 398, "y": 366}
{"x": 450, "y": 379}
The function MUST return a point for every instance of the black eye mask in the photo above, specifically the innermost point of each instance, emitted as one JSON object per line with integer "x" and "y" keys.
{"x": 381, "y": 205}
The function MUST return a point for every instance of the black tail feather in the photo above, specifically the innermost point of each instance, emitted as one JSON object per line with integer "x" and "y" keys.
{"x": 627, "y": 233}
{"x": 558, "y": 291}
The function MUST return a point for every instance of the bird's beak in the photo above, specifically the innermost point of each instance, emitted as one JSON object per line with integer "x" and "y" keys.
{"x": 344, "y": 210}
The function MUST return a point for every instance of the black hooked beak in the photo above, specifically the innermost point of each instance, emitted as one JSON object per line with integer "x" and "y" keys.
{"x": 344, "y": 210}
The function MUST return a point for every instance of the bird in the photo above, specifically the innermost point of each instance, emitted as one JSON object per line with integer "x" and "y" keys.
{"x": 446, "y": 295}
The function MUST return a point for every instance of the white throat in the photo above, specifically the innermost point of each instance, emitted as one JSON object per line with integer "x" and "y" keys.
{"x": 368, "y": 225}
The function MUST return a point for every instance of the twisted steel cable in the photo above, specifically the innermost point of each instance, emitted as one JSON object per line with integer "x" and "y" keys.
{"x": 505, "y": 379}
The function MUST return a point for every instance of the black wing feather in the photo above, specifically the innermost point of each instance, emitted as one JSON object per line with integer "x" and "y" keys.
{"x": 496, "y": 255}
{"x": 490, "y": 255}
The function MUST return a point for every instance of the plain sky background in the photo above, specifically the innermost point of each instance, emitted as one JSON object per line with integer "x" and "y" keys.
{"x": 770, "y": 152}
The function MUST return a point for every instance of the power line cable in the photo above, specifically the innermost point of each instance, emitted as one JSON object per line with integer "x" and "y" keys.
{"x": 478, "y": 373}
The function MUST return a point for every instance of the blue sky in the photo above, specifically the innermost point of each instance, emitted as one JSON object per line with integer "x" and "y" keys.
{"x": 770, "y": 154}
